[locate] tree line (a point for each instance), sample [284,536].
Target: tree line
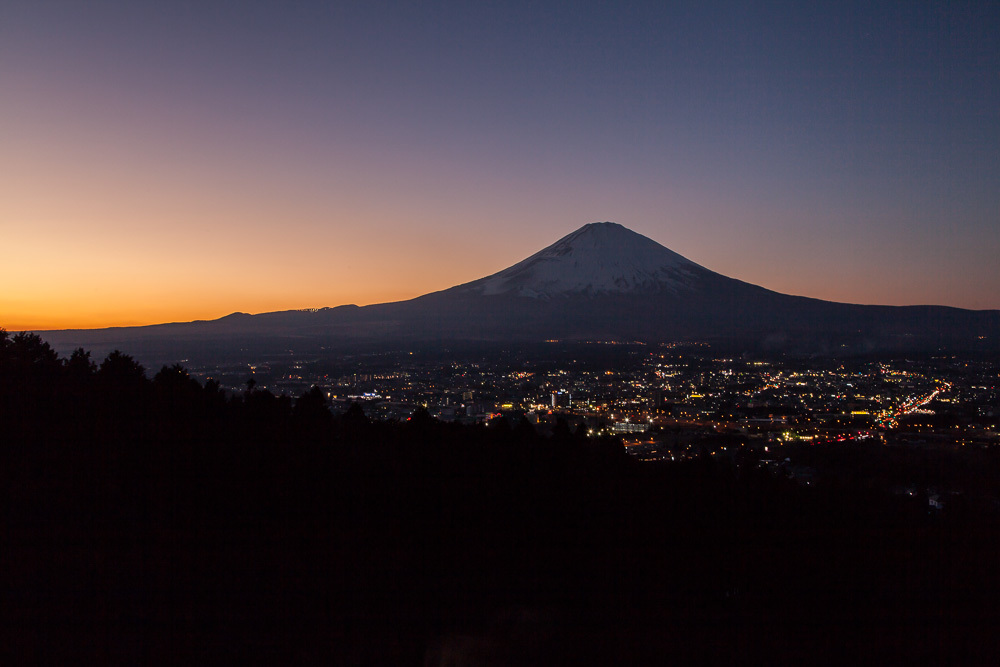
[159,520]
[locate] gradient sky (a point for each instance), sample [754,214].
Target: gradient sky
[170,161]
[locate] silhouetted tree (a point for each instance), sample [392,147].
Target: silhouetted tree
[175,377]
[215,398]
[561,432]
[30,350]
[311,407]
[27,361]
[355,414]
[30,371]
[80,372]
[179,396]
[80,366]
[122,381]
[421,417]
[263,405]
[119,371]
[422,528]
[500,427]
[524,430]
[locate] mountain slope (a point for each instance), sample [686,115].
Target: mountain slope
[599,258]
[602,281]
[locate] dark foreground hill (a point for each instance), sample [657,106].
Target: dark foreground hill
[160,522]
[602,282]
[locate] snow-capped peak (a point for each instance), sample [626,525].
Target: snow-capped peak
[598,258]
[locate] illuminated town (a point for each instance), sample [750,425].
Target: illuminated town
[671,401]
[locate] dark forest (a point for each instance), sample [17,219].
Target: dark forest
[162,521]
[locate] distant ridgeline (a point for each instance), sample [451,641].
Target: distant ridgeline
[601,282]
[160,521]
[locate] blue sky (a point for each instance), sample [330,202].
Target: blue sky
[364,152]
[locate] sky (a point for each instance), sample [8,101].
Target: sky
[177,161]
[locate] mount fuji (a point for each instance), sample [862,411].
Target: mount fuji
[599,258]
[601,282]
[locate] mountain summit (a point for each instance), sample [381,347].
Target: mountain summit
[598,258]
[601,282]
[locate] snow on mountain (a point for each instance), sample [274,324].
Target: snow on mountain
[598,258]
[602,282]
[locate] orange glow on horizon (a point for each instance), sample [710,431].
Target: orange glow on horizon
[60,314]
[154,172]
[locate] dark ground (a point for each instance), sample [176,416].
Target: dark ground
[158,522]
